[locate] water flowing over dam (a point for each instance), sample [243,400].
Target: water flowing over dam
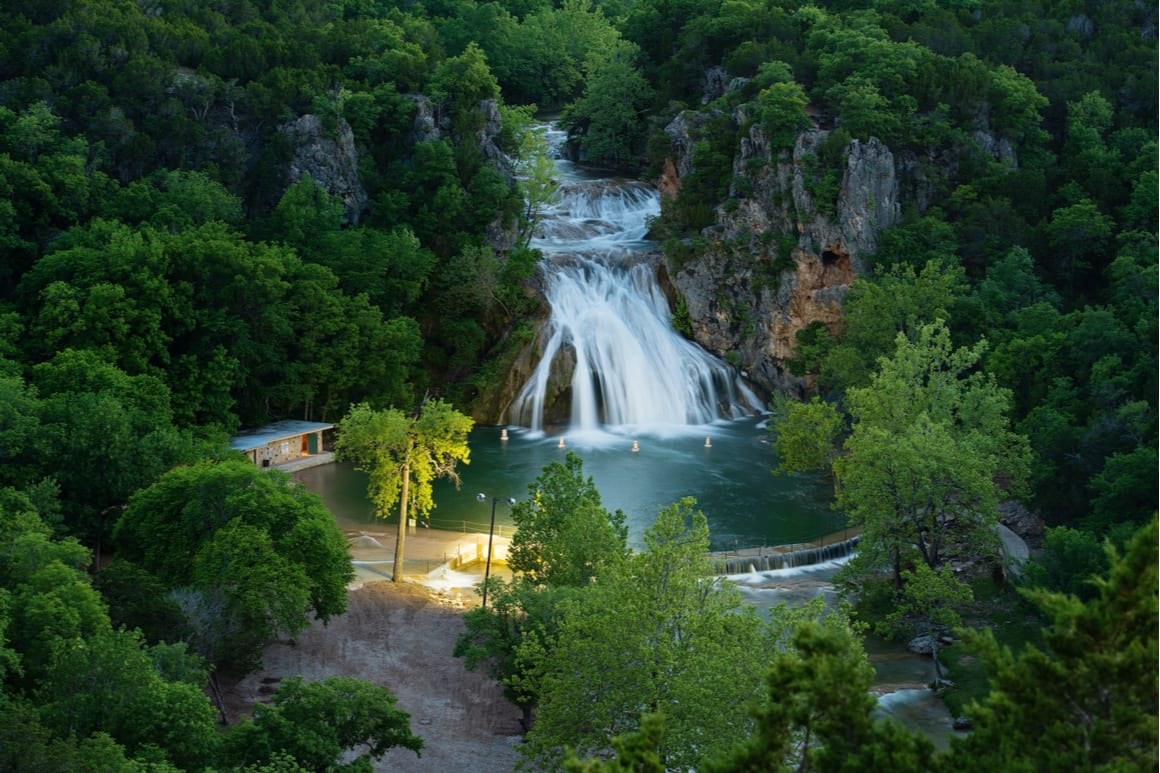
[609,347]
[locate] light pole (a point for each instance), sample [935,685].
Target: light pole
[490,536]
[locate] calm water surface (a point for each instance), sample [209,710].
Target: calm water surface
[745,504]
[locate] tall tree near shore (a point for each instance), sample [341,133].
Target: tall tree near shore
[404,454]
[930,440]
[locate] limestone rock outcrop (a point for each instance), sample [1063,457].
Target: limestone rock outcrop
[329,158]
[787,244]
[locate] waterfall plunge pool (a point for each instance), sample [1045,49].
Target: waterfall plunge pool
[745,504]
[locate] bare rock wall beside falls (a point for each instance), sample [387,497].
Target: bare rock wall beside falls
[786,245]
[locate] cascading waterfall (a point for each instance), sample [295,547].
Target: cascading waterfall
[610,317]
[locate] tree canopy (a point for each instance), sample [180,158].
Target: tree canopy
[403,456]
[296,562]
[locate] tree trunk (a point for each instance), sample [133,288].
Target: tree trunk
[397,572]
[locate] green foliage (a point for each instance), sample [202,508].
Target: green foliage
[929,441]
[103,434]
[636,750]
[521,622]
[806,434]
[608,118]
[821,712]
[1089,696]
[462,82]
[108,683]
[876,310]
[403,456]
[783,113]
[680,318]
[1069,563]
[85,679]
[564,537]
[707,185]
[680,644]
[321,725]
[296,559]
[137,601]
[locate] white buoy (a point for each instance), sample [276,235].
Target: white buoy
[635,447]
[707,443]
[561,441]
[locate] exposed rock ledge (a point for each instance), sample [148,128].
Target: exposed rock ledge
[743,296]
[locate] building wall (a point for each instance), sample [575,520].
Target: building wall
[286,450]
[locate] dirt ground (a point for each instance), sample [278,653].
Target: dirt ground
[401,636]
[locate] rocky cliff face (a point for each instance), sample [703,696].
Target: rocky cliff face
[787,245]
[330,158]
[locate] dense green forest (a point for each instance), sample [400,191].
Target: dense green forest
[218,214]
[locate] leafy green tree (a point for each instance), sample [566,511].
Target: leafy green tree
[679,644]
[1124,490]
[107,682]
[806,435]
[1088,698]
[931,600]
[564,536]
[1069,562]
[608,118]
[929,441]
[564,541]
[897,300]
[264,554]
[403,455]
[462,82]
[521,621]
[392,268]
[19,429]
[138,600]
[783,112]
[337,723]
[637,751]
[536,169]
[31,746]
[86,680]
[1079,236]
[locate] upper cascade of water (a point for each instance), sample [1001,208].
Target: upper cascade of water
[611,319]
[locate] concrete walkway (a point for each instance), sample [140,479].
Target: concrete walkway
[432,557]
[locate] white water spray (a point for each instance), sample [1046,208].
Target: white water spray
[632,369]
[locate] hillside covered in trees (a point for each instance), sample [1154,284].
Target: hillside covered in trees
[218,214]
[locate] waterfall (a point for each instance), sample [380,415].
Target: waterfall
[610,322]
[784,559]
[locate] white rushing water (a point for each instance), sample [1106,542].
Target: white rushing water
[632,369]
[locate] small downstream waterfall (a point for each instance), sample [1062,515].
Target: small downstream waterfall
[609,346]
[784,559]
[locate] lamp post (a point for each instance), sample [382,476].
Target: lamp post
[490,536]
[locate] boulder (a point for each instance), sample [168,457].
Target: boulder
[922,645]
